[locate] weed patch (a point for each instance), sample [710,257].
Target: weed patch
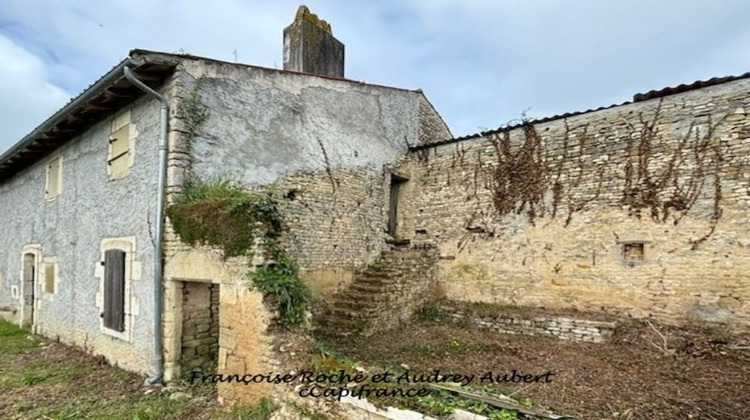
[221,213]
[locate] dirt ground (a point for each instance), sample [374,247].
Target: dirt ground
[703,374]
[699,374]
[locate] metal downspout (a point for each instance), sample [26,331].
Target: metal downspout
[158,246]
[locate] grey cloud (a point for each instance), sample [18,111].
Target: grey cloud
[480,62]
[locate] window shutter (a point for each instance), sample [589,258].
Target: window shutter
[49,278]
[114,290]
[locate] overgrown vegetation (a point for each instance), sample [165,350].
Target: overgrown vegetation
[221,213]
[280,284]
[47,380]
[442,403]
[663,179]
[438,403]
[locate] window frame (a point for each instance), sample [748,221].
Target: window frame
[132,273]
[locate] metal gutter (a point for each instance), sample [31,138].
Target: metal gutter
[160,198]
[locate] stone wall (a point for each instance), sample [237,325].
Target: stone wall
[328,145]
[640,208]
[432,128]
[557,327]
[200,324]
[244,341]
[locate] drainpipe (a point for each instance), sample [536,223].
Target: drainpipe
[160,198]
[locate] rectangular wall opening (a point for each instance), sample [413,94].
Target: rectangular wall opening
[397,183]
[200,327]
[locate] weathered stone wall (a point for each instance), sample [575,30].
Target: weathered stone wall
[432,128]
[327,146]
[336,223]
[557,327]
[245,343]
[543,214]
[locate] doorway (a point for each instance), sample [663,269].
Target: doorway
[397,184]
[29,290]
[200,326]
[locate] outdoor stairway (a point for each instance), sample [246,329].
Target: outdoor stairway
[380,296]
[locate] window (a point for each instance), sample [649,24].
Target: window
[633,251]
[116,271]
[120,156]
[114,290]
[50,277]
[53,185]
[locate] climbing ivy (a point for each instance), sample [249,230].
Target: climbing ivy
[192,111]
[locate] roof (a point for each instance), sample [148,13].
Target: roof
[101,98]
[638,97]
[111,92]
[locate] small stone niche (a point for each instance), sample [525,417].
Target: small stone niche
[633,252]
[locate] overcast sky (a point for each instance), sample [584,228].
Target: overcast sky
[482,63]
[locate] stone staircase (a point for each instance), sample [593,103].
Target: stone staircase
[381,295]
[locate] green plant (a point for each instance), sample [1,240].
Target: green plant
[306,413]
[432,313]
[443,402]
[192,111]
[503,415]
[260,411]
[280,284]
[221,213]
[14,340]
[29,380]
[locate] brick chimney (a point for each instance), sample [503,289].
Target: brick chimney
[309,46]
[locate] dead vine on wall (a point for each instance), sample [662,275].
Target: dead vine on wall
[674,189]
[662,179]
[519,179]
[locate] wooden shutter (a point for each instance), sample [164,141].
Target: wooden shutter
[49,278]
[53,178]
[114,289]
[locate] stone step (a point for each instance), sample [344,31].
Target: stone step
[411,254]
[376,281]
[355,306]
[383,271]
[364,298]
[339,310]
[338,327]
[369,287]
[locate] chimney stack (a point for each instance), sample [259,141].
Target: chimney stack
[309,46]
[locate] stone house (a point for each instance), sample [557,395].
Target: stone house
[86,258]
[637,209]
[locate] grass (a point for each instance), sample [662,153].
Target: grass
[43,379]
[14,340]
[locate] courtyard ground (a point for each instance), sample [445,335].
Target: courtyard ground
[700,373]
